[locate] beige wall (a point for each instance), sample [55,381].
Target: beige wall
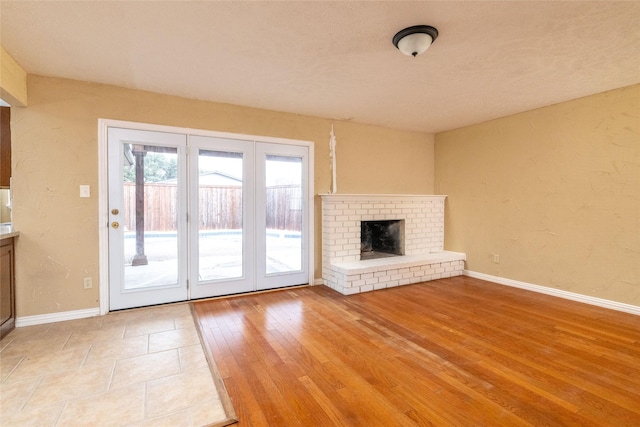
[555,192]
[55,150]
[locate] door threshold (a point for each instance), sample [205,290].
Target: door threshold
[244,294]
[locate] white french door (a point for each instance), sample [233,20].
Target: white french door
[193,216]
[222,227]
[254,241]
[282,229]
[147,217]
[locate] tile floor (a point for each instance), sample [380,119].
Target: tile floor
[133,368]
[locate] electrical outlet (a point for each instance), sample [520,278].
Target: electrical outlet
[88,283]
[496,258]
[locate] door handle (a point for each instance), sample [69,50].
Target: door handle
[115,224]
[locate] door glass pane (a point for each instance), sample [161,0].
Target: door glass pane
[150,216]
[219,215]
[283,214]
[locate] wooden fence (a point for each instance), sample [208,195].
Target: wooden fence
[220,207]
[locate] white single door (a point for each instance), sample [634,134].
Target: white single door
[147,218]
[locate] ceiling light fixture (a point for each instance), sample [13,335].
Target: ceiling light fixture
[414,40]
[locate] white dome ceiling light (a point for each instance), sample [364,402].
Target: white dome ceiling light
[413,41]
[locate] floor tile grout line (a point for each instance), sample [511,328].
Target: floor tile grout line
[113,372]
[180,364]
[144,401]
[38,383]
[64,400]
[86,356]
[22,358]
[9,341]
[64,405]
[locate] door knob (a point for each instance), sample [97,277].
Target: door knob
[115,224]
[115,211]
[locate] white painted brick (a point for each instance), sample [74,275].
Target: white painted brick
[366,288]
[366,275]
[372,281]
[350,291]
[379,286]
[359,282]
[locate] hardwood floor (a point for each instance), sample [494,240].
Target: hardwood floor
[452,352]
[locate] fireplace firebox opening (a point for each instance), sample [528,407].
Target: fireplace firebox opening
[379,239]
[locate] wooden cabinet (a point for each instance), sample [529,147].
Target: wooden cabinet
[5,147]
[7,287]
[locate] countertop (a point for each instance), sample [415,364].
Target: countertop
[7,231]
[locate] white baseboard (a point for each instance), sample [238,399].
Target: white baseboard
[40,319]
[600,302]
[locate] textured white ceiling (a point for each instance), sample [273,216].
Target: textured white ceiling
[336,59]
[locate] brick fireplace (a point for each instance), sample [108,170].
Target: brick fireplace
[424,257]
